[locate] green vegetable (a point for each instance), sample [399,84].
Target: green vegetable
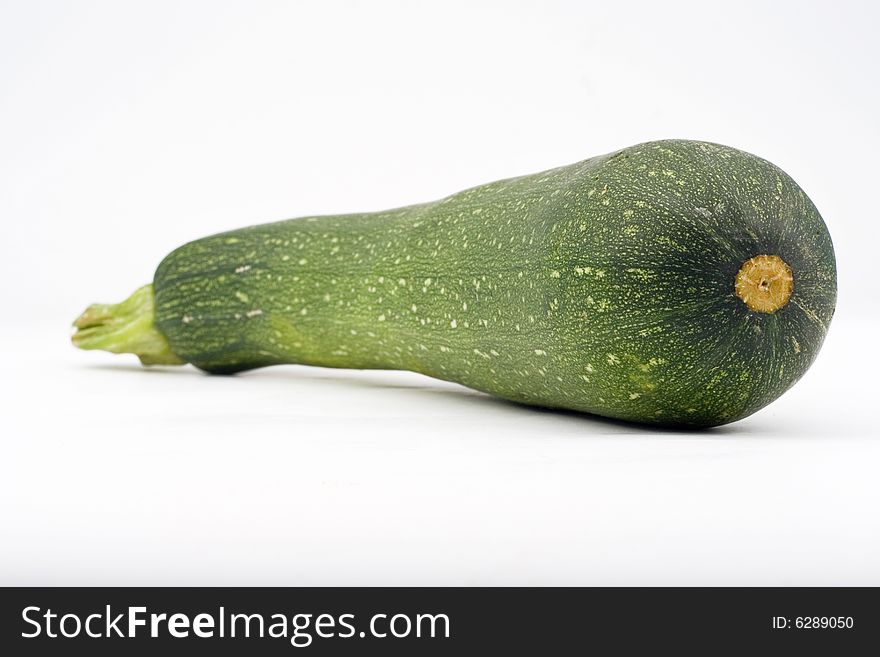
[673,282]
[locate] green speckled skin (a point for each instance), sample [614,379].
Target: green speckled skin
[606,286]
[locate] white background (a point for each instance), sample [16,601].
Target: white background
[128,128]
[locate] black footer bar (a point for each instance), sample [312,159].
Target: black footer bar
[434,621]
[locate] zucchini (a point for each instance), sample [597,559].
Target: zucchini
[674,282]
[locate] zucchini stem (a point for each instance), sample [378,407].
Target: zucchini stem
[126,328]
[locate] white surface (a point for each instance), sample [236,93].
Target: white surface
[296,475]
[128,128]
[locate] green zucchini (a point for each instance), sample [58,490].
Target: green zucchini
[673,282]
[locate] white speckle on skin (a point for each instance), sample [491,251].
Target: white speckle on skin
[453,324]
